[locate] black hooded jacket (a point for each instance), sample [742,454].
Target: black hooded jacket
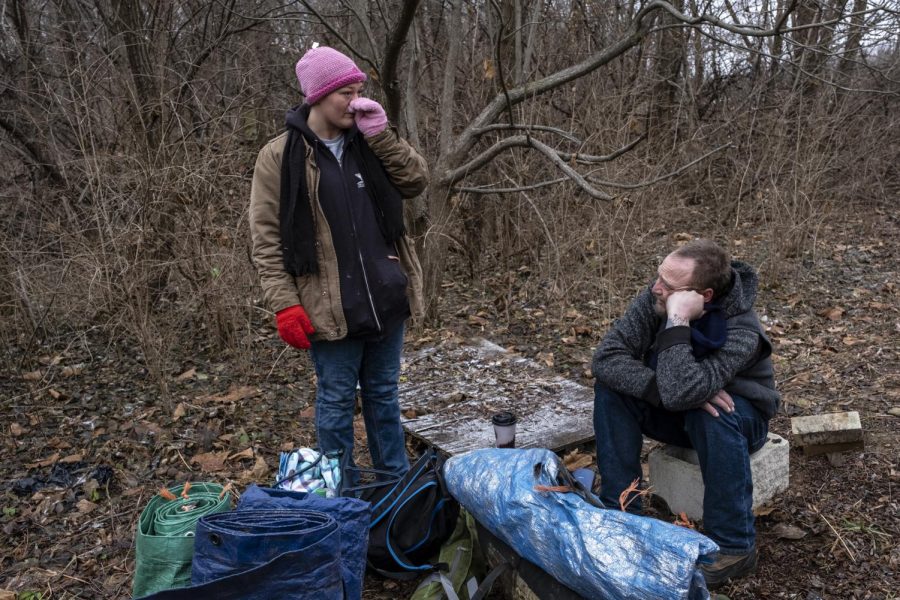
[373,284]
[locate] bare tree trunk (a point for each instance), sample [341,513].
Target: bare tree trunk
[536,7]
[129,23]
[435,242]
[851,48]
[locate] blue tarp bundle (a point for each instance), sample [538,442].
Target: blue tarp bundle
[264,554]
[599,553]
[353,517]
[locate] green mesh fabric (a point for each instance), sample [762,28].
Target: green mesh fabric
[164,543]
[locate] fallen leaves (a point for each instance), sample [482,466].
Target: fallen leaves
[246,453]
[85,506]
[832,314]
[211,461]
[786,531]
[577,460]
[234,394]
[50,460]
[189,374]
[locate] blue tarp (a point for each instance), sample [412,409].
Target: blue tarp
[264,554]
[599,553]
[353,517]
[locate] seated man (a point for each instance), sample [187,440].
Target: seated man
[688,364]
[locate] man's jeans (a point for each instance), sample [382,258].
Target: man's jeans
[375,366]
[723,446]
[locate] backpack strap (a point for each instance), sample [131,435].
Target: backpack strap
[488,582]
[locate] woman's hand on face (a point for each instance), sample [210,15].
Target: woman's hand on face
[369,115]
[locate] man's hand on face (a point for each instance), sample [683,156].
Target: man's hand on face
[684,306]
[722,400]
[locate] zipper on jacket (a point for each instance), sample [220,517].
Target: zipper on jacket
[362,263]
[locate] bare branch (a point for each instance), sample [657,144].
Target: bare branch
[676,172]
[482,159]
[748,30]
[469,136]
[512,190]
[519,126]
[525,141]
[363,23]
[568,170]
[333,31]
[589,159]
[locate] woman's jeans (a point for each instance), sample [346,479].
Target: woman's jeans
[723,446]
[375,366]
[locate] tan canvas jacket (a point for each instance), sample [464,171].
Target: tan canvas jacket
[320,294]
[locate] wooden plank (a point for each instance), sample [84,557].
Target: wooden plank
[448,394]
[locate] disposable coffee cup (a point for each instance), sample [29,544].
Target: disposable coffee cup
[504,429]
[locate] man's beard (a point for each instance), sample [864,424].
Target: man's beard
[659,306]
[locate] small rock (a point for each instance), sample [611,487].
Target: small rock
[894,412]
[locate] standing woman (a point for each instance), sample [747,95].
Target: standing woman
[330,245]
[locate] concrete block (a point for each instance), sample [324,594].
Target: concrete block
[829,449]
[833,432]
[675,475]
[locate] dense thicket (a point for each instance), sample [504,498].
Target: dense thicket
[560,133]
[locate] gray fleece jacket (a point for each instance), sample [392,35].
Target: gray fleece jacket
[681,382]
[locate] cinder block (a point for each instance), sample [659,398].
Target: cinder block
[675,475]
[832,432]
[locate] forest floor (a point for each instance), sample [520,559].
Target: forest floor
[88,439]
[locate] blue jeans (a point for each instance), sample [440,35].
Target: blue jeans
[375,366]
[723,446]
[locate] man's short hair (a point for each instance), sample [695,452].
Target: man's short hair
[712,265]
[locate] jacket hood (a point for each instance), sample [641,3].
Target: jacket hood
[742,295]
[296,118]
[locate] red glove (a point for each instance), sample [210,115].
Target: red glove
[294,326]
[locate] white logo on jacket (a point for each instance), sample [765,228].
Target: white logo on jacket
[360,184]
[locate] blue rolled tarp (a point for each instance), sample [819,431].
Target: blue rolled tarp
[599,553]
[264,554]
[352,515]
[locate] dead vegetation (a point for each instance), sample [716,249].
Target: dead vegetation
[135,352]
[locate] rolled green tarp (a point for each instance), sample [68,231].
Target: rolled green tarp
[164,544]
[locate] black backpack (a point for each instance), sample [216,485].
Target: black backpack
[412,516]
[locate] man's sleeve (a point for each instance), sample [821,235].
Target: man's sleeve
[685,382]
[618,361]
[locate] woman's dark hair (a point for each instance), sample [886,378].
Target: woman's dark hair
[712,265]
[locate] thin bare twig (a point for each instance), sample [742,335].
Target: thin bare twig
[522,126]
[815,509]
[676,172]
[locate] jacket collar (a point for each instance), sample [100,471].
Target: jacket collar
[297,118]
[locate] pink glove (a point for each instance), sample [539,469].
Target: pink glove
[369,115]
[294,326]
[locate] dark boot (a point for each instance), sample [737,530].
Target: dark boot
[729,566]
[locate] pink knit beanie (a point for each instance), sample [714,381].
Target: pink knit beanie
[322,70]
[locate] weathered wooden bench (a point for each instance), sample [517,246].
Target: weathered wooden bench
[448,394]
